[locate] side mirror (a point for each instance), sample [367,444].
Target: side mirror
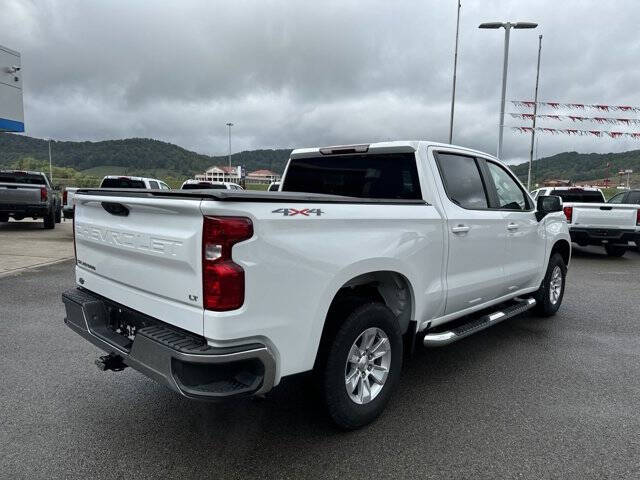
[546,205]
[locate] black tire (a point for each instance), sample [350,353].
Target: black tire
[545,307]
[615,251]
[344,411]
[49,220]
[59,215]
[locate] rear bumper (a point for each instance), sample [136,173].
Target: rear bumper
[182,361]
[67,212]
[26,210]
[604,236]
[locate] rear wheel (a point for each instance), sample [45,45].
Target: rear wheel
[59,215]
[615,251]
[49,220]
[361,366]
[551,292]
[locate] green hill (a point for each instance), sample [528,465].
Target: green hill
[580,166]
[141,156]
[148,157]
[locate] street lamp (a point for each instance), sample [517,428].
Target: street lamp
[507,28]
[229,125]
[50,167]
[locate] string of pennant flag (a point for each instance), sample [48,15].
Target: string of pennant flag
[576,106]
[581,133]
[577,118]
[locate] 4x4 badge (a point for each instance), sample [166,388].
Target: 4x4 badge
[290,212]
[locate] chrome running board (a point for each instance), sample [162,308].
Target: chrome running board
[439,339]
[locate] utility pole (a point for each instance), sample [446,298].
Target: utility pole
[505,63]
[229,124]
[455,68]
[535,111]
[50,168]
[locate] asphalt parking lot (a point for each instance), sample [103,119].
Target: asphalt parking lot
[529,398]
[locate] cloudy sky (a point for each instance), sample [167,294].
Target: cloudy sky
[302,73]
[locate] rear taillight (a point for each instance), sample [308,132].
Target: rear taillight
[222,279]
[568,212]
[64,197]
[43,194]
[638,217]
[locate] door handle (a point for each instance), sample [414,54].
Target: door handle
[460,229]
[512,226]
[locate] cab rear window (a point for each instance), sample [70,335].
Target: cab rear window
[122,183]
[379,176]
[17,177]
[579,196]
[203,185]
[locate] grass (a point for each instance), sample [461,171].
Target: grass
[257,186]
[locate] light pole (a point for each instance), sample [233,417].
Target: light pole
[507,29]
[535,112]
[229,125]
[628,172]
[50,168]
[455,67]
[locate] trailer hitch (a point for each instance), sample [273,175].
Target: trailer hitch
[111,362]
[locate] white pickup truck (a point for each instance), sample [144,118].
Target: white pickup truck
[365,251]
[592,221]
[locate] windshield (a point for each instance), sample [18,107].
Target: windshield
[579,196]
[122,183]
[20,177]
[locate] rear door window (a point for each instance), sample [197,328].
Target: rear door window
[379,176]
[153,185]
[462,181]
[577,195]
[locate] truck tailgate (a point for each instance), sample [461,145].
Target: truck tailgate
[604,215]
[144,253]
[21,194]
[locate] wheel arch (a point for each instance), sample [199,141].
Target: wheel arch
[563,247]
[389,287]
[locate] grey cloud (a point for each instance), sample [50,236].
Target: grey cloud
[298,73]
